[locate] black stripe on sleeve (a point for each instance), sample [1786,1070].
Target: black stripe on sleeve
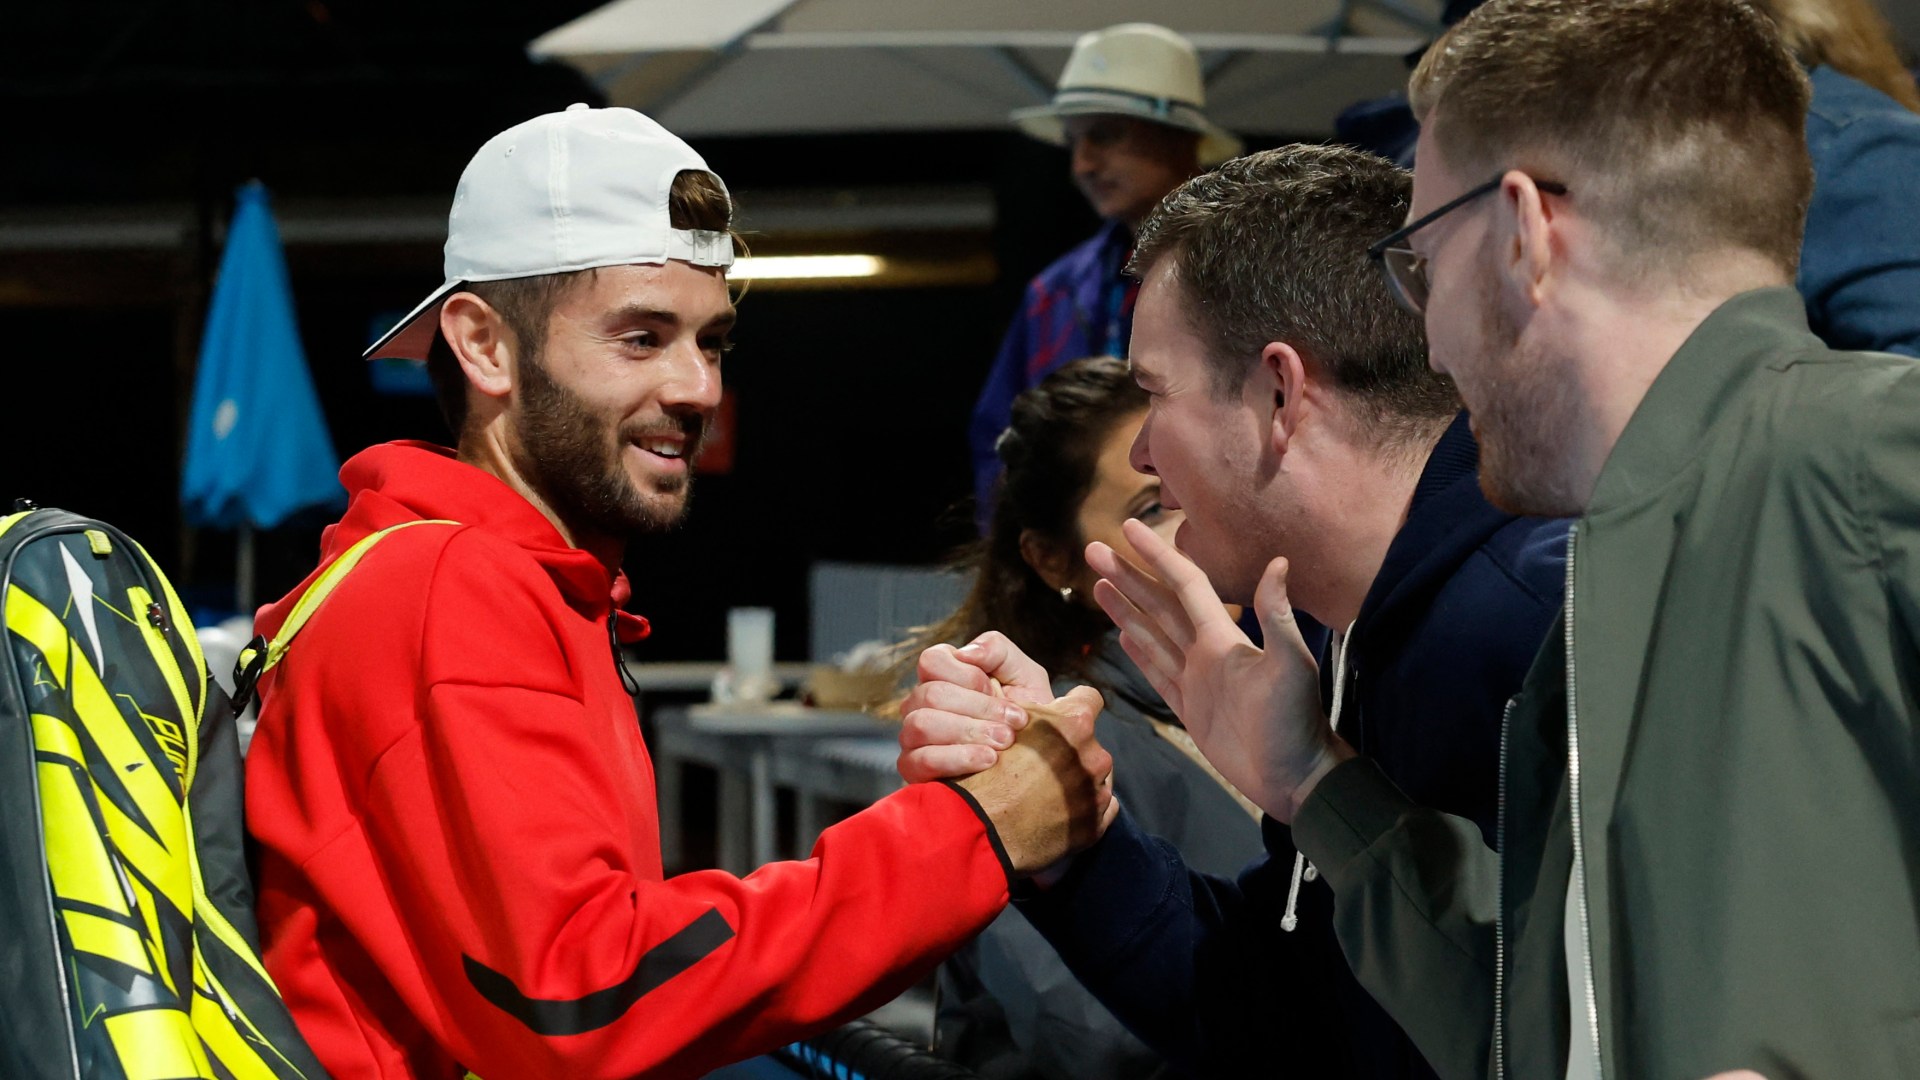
[575,1016]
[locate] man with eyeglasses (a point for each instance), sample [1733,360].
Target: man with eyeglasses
[1291,413]
[1710,781]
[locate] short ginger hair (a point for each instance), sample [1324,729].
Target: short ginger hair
[1678,126]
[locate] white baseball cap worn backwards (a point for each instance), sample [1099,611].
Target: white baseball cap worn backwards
[565,191]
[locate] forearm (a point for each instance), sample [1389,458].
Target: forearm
[560,959]
[1415,894]
[1196,967]
[1060,1029]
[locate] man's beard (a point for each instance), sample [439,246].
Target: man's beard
[574,460]
[1524,421]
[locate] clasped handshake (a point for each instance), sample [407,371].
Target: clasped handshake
[986,716]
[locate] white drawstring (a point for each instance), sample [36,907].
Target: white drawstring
[1290,920]
[1302,869]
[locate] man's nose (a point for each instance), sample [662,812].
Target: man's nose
[1086,158]
[694,380]
[1138,455]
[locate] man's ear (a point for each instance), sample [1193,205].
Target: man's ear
[1280,384]
[1526,229]
[481,342]
[1049,560]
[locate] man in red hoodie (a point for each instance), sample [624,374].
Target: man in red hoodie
[459,861]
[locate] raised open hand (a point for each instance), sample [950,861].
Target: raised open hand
[1254,712]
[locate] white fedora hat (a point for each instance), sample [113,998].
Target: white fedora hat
[1138,70]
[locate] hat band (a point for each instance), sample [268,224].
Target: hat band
[1165,108]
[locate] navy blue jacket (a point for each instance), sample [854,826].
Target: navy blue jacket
[1198,966]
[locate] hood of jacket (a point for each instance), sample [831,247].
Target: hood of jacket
[398,482]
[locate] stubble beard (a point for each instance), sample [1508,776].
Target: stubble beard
[1230,539]
[574,460]
[1526,411]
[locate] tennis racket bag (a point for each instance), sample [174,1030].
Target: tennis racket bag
[129,950]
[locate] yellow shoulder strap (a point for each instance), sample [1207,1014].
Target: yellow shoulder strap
[261,655]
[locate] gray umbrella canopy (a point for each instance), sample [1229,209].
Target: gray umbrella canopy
[766,67]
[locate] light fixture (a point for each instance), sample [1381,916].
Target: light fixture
[772,267]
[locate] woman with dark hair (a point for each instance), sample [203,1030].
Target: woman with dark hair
[1009,1006]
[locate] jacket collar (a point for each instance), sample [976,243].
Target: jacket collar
[1747,334]
[1115,242]
[1097,262]
[411,481]
[1447,520]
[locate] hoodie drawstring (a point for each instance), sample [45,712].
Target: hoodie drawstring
[627,681]
[1302,869]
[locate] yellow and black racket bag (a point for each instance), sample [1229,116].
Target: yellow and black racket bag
[129,950]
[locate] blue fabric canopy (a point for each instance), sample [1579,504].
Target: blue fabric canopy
[258,451]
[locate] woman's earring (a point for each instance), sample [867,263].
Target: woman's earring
[1066,593]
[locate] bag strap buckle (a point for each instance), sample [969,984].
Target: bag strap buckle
[246,673]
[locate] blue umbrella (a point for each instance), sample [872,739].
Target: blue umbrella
[258,451]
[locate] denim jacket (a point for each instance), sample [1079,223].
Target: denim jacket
[1860,261]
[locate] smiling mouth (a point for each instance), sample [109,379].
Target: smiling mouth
[672,449]
[672,442]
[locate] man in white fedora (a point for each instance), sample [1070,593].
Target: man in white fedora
[1128,110]
[452,805]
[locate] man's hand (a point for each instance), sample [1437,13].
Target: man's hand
[1254,712]
[967,707]
[1050,794]
[986,712]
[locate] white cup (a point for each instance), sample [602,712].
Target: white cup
[750,653]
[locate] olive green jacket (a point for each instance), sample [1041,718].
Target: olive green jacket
[1735,673]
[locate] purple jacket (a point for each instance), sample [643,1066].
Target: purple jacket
[1079,306]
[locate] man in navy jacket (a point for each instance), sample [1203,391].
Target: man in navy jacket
[1292,414]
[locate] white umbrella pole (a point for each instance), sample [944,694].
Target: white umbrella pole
[243,571]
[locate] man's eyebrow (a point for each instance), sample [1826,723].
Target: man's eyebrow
[635,313]
[632,313]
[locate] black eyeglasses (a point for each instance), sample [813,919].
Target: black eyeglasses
[1406,269]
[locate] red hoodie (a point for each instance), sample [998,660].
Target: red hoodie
[459,853]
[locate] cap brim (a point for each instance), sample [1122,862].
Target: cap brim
[1047,124]
[412,336]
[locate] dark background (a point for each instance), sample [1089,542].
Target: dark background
[852,404]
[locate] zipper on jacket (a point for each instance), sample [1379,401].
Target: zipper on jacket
[627,681]
[1579,879]
[1500,906]
[1302,869]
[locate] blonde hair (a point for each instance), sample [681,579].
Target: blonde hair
[1849,36]
[1679,126]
